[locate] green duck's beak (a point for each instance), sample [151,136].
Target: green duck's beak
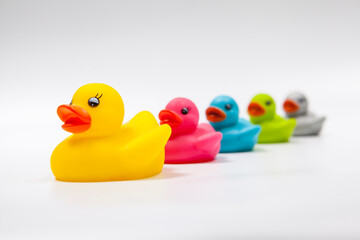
[255,109]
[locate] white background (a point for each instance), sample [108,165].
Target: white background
[151,52]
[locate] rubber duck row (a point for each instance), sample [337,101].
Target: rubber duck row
[101,148]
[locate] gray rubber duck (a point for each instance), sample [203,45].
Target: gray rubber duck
[296,106]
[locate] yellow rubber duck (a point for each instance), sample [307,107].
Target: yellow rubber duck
[101,148]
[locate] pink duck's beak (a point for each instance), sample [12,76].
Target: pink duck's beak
[170,118]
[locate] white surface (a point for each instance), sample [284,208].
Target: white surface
[302,190]
[152,51]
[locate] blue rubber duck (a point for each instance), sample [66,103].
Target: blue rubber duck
[239,135]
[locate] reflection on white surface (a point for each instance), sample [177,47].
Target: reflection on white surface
[303,189]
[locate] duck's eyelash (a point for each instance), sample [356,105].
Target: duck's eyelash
[99,96]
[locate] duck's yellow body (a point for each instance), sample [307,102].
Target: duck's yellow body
[107,150]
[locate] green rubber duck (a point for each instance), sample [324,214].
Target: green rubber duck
[274,129]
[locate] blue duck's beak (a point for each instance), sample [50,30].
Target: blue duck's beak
[215,114]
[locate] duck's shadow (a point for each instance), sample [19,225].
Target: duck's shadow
[258,150]
[166,173]
[169,170]
[220,159]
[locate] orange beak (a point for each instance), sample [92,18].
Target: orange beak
[214,114]
[170,118]
[255,109]
[75,118]
[290,106]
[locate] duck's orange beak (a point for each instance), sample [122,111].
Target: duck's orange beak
[290,106]
[170,118]
[214,114]
[75,118]
[255,109]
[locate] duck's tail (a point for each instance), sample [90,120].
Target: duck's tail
[148,146]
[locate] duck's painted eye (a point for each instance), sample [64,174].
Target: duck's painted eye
[301,100]
[184,111]
[268,103]
[93,102]
[228,106]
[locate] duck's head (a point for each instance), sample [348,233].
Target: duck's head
[261,108]
[95,110]
[223,112]
[295,105]
[181,114]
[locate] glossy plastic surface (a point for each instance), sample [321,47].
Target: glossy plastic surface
[101,148]
[307,123]
[274,129]
[190,142]
[239,135]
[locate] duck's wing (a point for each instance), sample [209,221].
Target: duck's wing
[204,128]
[149,145]
[142,122]
[308,125]
[208,141]
[282,123]
[280,127]
[319,120]
[309,121]
[250,131]
[291,123]
[289,128]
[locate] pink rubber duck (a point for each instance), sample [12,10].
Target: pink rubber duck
[190,142]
